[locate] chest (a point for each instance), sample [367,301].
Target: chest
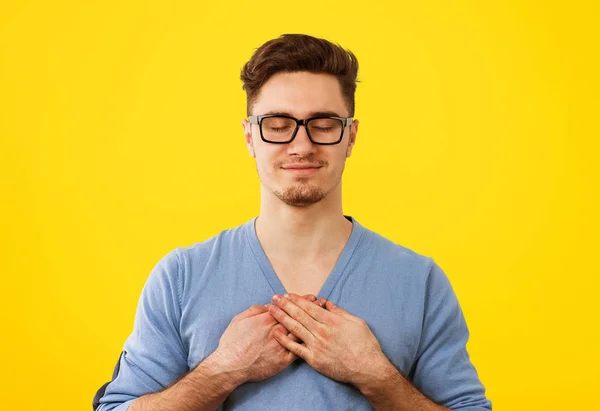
[393,320]
[303,278]
[219,289]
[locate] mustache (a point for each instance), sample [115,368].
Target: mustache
[308,160]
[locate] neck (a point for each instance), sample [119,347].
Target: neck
[302,232]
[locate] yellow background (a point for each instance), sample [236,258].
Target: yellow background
[478,145]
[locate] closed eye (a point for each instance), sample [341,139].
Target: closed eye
[279,129]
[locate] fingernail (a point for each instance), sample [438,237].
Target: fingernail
[276,298]
[286,296]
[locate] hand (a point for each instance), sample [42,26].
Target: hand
[248,347]
[335,343]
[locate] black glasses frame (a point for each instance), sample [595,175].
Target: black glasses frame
[346,121]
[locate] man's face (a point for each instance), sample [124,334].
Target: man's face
[301,95]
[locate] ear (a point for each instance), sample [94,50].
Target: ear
[248,137]
[352,139]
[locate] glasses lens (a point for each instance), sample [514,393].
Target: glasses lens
[325,130]
[278,128]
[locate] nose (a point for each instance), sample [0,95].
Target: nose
[301,144]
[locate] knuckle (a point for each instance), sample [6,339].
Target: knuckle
[323,332]
[313,311]
[310,297]
[295,350]
[310,309]
[296,329]
[277,313]
[273,333]
[266,320]
[282,361]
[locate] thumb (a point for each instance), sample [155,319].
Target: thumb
[334,308]
[252,311]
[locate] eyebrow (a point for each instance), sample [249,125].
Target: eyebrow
[311,114]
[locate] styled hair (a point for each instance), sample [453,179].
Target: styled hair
[300,52]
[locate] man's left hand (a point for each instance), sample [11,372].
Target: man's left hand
[334,342]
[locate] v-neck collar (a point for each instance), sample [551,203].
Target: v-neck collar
[334,276]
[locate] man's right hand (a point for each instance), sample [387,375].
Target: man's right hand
[247,351]
[248,347]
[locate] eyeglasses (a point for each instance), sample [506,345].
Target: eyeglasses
[279,129]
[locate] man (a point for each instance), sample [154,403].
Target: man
[222,325]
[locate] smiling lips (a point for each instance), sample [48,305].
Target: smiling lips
[302,168]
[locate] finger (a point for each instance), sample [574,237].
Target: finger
[297,309]
[252,311]
[335,309]
[314,302]
[294,338]
[310,297]
[321,302]
[278,328]
[269,305]
[281,330]
[295,348]
[266,319]
[313,310]
[292,325]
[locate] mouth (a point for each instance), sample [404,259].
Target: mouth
[302,168]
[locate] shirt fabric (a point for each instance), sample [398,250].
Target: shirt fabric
[193,292]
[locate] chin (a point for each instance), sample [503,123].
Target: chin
[300,195]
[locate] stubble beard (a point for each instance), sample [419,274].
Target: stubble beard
[301,194]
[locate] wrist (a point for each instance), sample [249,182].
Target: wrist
[218,367]
[377,377]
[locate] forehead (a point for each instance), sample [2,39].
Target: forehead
[300,94]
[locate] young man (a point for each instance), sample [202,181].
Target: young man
[221,324]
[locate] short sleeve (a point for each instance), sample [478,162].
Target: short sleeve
[153,355]
[442,369]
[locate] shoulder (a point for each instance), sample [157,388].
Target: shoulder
[227,238]
[388,252]
[414,271]
[194,259]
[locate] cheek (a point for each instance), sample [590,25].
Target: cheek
[338,160]
[265,161]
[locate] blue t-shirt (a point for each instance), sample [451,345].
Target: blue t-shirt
[193,292]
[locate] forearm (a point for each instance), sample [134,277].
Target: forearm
[202,389]
[387,389]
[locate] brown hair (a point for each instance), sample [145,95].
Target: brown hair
[300,52]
